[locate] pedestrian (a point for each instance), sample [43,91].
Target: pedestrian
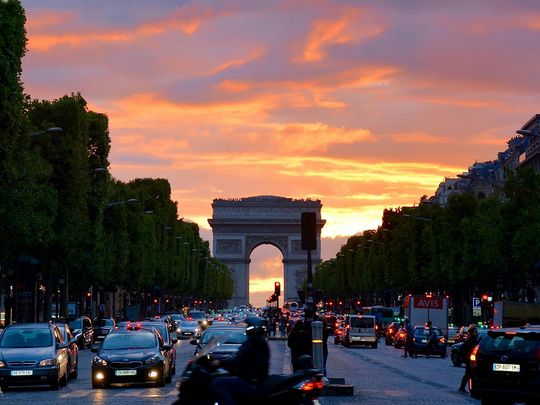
[465,353]
[300,339]
[409,340]
[283,325]
[430,337]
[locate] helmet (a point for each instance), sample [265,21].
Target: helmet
[255,325]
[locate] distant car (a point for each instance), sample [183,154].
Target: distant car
[221,321]
[102,326]
[391,330]
[455,350]
[461,334]
[126,356]
[200,317]
[83,330]
[33,354]
[187,329]
[231,338]
[420,342]
[73,349]
[505,366]
[360,329]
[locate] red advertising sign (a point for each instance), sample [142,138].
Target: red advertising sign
[428,302]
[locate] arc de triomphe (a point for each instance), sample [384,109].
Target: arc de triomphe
[240,225]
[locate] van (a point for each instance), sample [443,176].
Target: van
[360,330]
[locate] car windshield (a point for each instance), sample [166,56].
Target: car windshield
[197,315]
[135,340]
[226,336]
[188,323]
[362,322]
[13,338]
[103,322]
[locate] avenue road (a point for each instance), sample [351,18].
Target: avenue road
[379,376]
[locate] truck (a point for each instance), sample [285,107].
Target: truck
[422,308]
[507,314]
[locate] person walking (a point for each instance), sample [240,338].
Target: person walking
[283,325]
[409,340]
[465,352]
[430,337]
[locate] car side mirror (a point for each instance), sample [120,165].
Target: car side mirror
[193,342]
[174,340]
[73,340]
[166,347]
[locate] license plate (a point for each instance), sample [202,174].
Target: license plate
[125,372]
[514,368]
[22,372]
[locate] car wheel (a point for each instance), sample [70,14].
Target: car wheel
[336,341]
[456,361]
[374,345]
[168,379]
[96,384]
[75,373]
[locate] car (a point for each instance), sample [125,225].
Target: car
[168,339]
[455,350]
[360,329]
[131,356]
[33,354]
[83,330]
[506,367]
[231,338]
[221,321]
[102,326]
[200,317]
[391,331]
[187,329]
[339,331]
[420,341]
[73,350]
[461,334]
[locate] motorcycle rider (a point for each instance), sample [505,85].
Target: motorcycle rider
[249,366]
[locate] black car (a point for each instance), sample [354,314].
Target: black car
[231,338]
[163,330]
[102,326]
[506,367]
[131,356]
[73,349]
[455,350]
[420,341]
[33,354]
[83,330]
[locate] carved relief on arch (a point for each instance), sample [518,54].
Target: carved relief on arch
[279,241]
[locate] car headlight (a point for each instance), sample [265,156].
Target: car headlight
[47,362]
[98,361]
[153,360]
[179,330]
[2,364]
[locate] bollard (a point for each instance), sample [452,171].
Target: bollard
[317,342]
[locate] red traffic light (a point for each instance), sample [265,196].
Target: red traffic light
[277,288]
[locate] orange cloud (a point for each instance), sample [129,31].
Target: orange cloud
[307,137]
[419,137]
[347,28]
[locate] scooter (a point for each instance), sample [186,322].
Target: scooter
[299,388]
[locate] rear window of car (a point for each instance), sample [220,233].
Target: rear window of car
[425,332]
[225,336]
[13,338]
[512,343]
[362,322]
[135,340]
[188,323]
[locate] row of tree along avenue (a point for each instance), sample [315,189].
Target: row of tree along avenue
[472,247]
[74,239]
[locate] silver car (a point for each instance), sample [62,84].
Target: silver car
[187,329]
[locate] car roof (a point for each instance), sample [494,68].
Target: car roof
[40,325]
[128,331]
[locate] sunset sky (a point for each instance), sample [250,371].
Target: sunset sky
[361,104]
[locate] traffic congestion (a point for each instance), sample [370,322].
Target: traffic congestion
[160,358]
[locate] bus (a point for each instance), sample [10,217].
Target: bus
[383,314]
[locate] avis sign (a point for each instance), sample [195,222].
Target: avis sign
[428,302]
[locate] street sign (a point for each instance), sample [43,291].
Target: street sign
[476,308]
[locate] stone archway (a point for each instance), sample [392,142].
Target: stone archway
[240,225]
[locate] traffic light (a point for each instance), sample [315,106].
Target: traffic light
[277,288]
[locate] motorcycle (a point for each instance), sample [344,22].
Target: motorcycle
[299,388]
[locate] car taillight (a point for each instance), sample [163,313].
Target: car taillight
[311,385]
[442,340]
[473,355]
[390,330]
